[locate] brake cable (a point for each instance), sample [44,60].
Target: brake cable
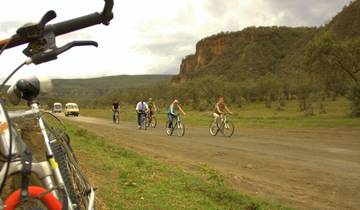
[12,74]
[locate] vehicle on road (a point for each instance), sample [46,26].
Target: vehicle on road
[222,124]
[71,109]
[57,108]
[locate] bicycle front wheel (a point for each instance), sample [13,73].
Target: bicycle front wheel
[180,129]
[77,184]
[153,122]
[227,129]
[213,128]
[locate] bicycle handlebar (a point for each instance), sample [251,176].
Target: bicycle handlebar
[68,26]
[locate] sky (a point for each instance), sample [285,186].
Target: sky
[148,37]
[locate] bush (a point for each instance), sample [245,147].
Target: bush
[355,99]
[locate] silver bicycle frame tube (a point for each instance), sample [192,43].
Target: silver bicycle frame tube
[42,170]
[50,154]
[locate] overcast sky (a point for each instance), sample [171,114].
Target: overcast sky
[149,36]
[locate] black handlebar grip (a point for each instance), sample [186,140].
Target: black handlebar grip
[76,24]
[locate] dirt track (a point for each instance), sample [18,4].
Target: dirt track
[302,168]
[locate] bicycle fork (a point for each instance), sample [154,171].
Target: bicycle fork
[50,156]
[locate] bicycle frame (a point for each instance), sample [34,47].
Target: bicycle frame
[41,169]
[53,164]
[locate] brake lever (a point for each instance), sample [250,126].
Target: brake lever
[36,30]
[107,14]
[75,44]
[51,54]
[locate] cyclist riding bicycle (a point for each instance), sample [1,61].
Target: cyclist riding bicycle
[141,109]
[173,112]
[115,109]
[220,109]
[152,107]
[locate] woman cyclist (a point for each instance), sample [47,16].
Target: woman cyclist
[220,109]
[172,112]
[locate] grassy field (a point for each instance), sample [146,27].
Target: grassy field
[256,115]
[128,180]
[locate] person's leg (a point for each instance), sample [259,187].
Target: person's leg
[113,115]
[139,119]
[170,119]
[216,119]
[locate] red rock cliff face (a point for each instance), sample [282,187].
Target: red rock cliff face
[214,46]
[206,50]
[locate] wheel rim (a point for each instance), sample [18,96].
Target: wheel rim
[213,129]
[153,122]
[180,129]
[227,129]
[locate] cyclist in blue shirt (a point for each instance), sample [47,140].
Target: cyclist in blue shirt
[172,112]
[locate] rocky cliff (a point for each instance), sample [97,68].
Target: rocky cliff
[254,51]
[243,46]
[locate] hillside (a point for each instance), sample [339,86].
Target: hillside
[95,87]
[256,51]
[243,55]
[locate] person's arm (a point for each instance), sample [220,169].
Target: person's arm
[137,108]
[181,110]
[227,109]
[172,109]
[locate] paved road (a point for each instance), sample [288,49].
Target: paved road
[303,168]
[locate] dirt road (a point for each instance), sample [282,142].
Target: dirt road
[302,168]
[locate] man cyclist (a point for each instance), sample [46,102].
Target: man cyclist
[115,109]
[152,107]
[172,113]
[141,109]
[220,109]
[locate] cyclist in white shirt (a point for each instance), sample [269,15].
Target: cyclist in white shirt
[141,109]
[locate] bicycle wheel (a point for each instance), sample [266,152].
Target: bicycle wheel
[117,119]
[144,122]
[213,128]
[39,198]
[227,128]
[180,129]
[77,184]
[153,122]
[61,158]
[147,121]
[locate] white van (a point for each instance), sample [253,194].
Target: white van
[71,109]
[57,108]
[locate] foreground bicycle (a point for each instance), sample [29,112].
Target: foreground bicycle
[222,124]
[177,126]
[64,185]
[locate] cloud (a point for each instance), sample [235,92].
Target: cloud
[170,44]
[305,12]
[152,36]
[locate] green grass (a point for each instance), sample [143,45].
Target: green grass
[128,180]
[256,115]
